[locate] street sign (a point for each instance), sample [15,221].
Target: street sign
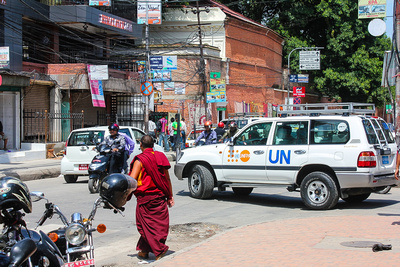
[293,78]
[302,78]
[310,60]
[158,103]
[156,62]
[299,91]
[146,88]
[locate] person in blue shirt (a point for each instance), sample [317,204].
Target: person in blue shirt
[208,134]
[129,147]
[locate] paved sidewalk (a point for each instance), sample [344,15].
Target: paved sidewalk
[40,169]
[318,241]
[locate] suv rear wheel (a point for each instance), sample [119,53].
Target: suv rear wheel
[319,191]
[70,178]
[201,182]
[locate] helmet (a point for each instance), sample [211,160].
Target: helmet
[233,124]
[207,123]
[113,126]
[221,124]
[116,188]
[14,194]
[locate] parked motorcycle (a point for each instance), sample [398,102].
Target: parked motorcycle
[99,167]
[75,238]
[15,197]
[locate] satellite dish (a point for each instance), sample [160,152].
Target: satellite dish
[376,27]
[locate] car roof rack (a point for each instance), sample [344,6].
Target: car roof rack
[245,115]
[344,109]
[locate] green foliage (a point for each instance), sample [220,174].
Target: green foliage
[352,59]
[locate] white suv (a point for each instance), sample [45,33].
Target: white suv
[322,156]
[79,149]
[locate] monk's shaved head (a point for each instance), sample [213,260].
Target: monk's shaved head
[147,141]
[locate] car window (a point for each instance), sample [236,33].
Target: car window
[330,132]
[256,134]
[126,131]
[370,125]
[291,133]
[89,138]
[137,134]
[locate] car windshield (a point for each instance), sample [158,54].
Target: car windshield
[125,131]
[89,138]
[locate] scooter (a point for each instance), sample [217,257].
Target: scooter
[75,237]
[99,167]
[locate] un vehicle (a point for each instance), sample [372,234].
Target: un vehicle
[324,151]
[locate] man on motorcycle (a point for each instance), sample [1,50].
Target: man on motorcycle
[117,144]
[220,130]
[208,134]
[231,132]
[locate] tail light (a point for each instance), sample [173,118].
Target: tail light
[366,159]
[65,150]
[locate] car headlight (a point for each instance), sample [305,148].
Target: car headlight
[75,233]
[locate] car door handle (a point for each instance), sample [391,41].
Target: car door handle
[84,148]
[299,152]
[258,152]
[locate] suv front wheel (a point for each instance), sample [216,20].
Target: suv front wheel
[201,182]
[319,191]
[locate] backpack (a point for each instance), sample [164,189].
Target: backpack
[158,126]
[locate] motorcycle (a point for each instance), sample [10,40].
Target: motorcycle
[18,253]
[42,252]
[75,238]
[202,141]
[99,167]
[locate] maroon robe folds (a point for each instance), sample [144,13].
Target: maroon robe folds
[152,217]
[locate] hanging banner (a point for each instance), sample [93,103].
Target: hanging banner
[96,88]
[371,9]
[219,96]
[149,11]
[4,57]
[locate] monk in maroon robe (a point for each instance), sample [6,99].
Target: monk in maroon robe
[154,196]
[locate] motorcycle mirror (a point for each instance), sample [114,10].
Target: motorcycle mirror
[36,196]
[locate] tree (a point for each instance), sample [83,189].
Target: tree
[352,59]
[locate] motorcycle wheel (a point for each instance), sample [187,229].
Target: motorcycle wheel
[94,186]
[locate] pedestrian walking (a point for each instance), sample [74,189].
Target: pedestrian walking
[176,135]
[183,133]
[163,134]
[154,196]
[3,137]
[171,133]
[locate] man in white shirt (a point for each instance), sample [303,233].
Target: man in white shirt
[183,133]
[152,129]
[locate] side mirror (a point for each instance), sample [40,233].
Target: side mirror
[36,196]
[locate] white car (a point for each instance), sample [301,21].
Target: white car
[79,149]
[324,157]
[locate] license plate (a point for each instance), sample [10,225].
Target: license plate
[83,167]
[385,160]
[79,263]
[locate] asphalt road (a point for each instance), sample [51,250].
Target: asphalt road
[116,247]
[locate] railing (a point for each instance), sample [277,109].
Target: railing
[41,126]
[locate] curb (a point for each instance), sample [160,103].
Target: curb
[34,173]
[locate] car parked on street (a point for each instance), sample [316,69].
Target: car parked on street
[79,149]
[324,151]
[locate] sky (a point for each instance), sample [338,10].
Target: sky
[389,18]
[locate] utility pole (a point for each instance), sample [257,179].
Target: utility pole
[147,74]
[202,69]
[397,35]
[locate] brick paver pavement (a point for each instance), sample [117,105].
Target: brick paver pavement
[317,241]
